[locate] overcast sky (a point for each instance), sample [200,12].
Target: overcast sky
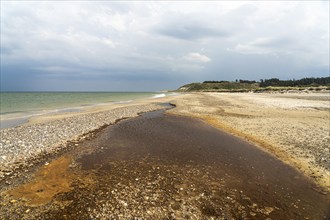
[150,46]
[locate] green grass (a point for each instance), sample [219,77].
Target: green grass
[218,86]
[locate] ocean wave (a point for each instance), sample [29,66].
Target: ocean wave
[159,96]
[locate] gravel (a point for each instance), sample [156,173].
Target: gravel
[22,146]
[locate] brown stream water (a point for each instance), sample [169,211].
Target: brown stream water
[160,166]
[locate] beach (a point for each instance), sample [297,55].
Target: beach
[293,127]
[170,155]
[22,146]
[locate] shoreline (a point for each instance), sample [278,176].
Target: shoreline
[184,168]
[13,119]
[23,146]
[248,116]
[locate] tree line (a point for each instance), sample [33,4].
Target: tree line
[321,81]
[238,81]
[312,81]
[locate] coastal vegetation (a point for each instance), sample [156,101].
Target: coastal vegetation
[264,85]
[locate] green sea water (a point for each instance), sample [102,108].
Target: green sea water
[21,104]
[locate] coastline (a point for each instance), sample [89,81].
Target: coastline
[183,168]
[19,107]
[80,163]
[23,146]
[291,127]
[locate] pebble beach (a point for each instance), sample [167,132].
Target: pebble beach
[293,127]
[23,145]
[172,164]
[160,165]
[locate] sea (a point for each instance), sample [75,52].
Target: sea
[17,107]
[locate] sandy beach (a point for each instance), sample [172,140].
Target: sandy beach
[293,127]
[75,152]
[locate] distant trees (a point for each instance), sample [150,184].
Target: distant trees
[237,81]
[240,85]
[247,81]
[321,81]
[216,81]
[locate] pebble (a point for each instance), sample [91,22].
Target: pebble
[29,142]
[252,214]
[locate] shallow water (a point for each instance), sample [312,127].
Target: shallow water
[163,166]
[22,102]
[17,107]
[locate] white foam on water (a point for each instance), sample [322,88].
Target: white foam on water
[159,96]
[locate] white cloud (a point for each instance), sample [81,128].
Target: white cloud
[197,57]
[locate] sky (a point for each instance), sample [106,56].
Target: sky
[153,46]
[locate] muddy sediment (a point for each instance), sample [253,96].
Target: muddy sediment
[160,166]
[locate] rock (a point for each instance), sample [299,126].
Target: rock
[268,210]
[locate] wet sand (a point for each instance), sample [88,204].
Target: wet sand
[161,166]
[293,127]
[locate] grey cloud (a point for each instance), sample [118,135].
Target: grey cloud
[266,45]
[189,31]
[274,42]
[6,50]
[79,42]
